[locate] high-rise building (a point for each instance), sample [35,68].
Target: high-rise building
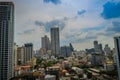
[107,50]
[66,51]
[20,55]
[100,48]
[15,54]
[97,47]
[71,47]
[45,43]
[117,51]
[55,42]
[28,52]
[6,40]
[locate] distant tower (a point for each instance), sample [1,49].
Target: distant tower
[15,54]
[100,48]
[117,50]
[45,43]
[71,47]
[28,52]
[6,40]
[96,47]
[20,52]
[107,50]
[55,42]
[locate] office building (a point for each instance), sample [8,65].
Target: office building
[117,51]
[55,42]
[45,43]
[28,52]
[6,40]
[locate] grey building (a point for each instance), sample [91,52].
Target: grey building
[55,42]
[66,51]
[107,50]
[45,43]
[97,47]
[6,40]
[97,59]
[28,52]
[117,51]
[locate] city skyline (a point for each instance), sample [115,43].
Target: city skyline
[80,22]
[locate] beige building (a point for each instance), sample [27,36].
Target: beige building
[20,55]
[15,54]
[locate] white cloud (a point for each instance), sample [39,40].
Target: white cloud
[29,11]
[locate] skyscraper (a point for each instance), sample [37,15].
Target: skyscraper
[97,47]
[117,50]
[6,40]
[28,52]
[45,43]
[55,42]
[107,50]
[20,55]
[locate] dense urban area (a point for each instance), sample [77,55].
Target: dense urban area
[52,61]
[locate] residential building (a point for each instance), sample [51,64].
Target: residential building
[107,50]
[15,54]
[28,52]
[20,55]
[55,42]
[66,51]
[97,59]
[45,43]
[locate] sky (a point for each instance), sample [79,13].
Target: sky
[80,21]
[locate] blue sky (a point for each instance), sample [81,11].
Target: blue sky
[80,21]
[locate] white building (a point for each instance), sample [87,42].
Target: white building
[50,77]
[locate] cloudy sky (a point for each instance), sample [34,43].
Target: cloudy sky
[80,21]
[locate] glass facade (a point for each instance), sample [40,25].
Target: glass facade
[6,40]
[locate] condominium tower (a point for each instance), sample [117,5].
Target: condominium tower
[45,43]
[28,52]
[97,47]
[6,40]
[55,42]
